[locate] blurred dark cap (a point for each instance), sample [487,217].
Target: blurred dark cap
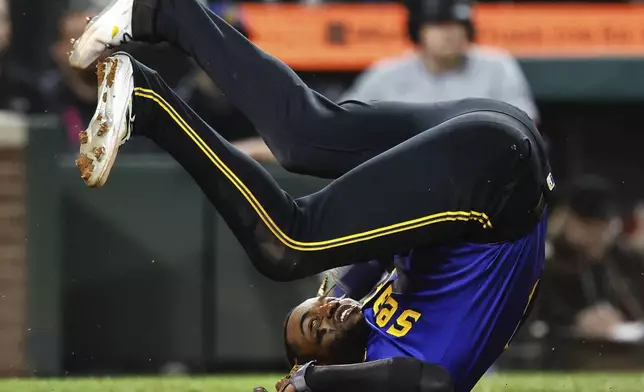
[592,197]
[437,11]
[422,12]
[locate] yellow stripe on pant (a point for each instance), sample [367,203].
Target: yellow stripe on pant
[448,216]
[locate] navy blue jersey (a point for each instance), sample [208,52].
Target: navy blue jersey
[461,309]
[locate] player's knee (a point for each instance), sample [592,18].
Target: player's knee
[274,270]
[273,257]
[291,160]
[297,158]
[276,273]
[435,378]
[278,269]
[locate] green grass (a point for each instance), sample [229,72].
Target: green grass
[496,383]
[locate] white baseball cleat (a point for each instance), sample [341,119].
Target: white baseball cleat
[111,28]
[110,127]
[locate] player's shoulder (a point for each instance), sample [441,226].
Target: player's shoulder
[491,55]
[394,65]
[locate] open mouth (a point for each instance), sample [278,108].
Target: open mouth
[343,312]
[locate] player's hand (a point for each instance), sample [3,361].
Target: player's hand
[282,384]
[288,388]
[597,321]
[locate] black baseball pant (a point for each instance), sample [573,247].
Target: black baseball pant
[406,175]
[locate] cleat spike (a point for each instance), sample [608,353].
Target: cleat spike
[85,165]
[112,74]
[100,72]
[103,129]
[98,152]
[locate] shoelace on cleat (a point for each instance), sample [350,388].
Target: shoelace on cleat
[126,38]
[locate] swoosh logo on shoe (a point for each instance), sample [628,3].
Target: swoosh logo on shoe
[115,31]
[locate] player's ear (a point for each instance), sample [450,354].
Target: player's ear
[328,284]
[324,287]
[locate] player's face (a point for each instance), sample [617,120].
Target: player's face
[444,41]
[591,236]
[331,330]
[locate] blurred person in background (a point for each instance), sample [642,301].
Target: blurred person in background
[17,91]
[447,65]
[634,238]
[630,249]
[584,292]
[69,92]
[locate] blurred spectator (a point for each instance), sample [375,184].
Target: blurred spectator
[584,292]
[17,92]
[72,93]
[201,93]
[69,92]
[635,237]
[631,246]
[447,65]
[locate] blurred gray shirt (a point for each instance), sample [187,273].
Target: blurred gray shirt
[488,73]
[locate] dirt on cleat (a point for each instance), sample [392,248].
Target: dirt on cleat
[85,165]
[112,74]
[100,72]
[109,123]
[103,129]
[98,152]
[82,137]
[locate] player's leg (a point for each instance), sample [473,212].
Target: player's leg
[307,133]
[421,192]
